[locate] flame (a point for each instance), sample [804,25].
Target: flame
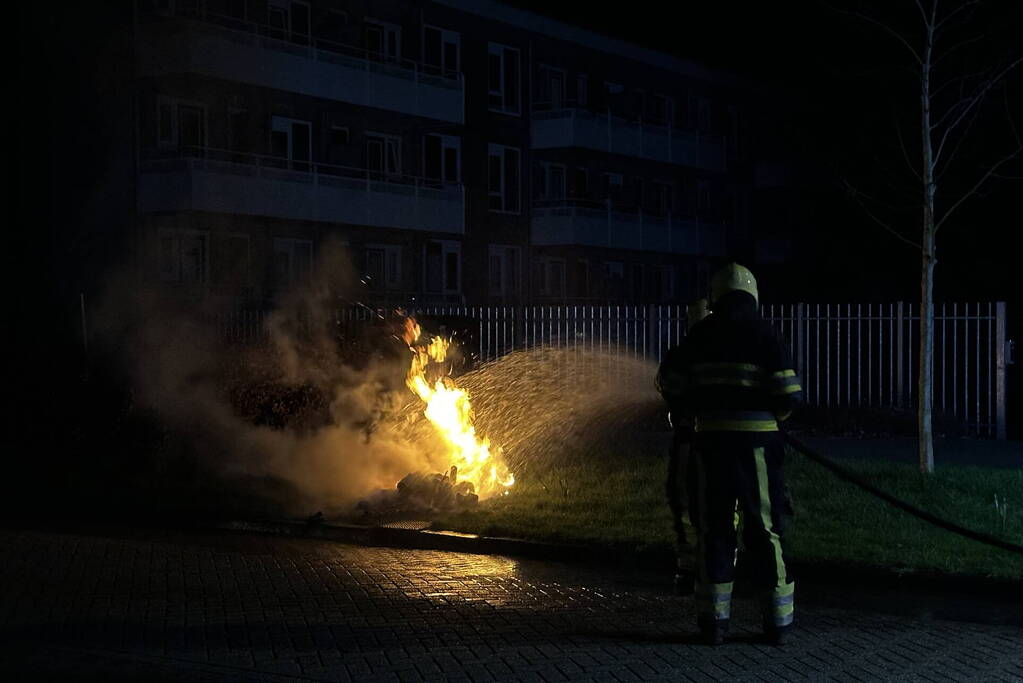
[449,410]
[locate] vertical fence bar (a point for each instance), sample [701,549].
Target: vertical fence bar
[955,359]
[966,362]
[899,389]
[1000,369]
[990,424]
[976,368]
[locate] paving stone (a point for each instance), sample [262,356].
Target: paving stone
[220,607]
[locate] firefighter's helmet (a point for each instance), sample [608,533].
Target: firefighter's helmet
[730,278]
[696,311]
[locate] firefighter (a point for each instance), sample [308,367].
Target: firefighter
[678,457]
[732,377]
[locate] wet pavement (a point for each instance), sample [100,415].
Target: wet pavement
[170,606]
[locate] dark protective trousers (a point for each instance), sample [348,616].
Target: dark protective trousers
[720,478]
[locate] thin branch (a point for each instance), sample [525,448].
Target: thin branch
[905,154]
[895,34]
[961,43]
[973,101]
[923,12]
[856,195]
[956,79]
[963,6]
[959,143]
[969,193]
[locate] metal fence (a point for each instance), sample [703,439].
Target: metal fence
[854,355]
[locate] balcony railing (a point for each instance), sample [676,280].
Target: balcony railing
[576,127]
[588,223]
[217,46]
[229,181]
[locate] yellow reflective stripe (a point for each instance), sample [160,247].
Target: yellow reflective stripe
[712,425]
[781,374]
[789,389]
[745,367]
[784,610]
[784,590]
[765,517]
[784,416]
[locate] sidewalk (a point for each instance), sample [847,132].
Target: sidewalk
[151,605]
[977,452]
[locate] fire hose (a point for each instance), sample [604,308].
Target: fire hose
[846,475]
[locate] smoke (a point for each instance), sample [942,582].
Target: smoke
[301,410]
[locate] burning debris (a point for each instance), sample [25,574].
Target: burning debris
[420,494]
[475,469]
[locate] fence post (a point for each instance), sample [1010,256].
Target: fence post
[898,355]
[801,341]
[1000,369]
[652,333]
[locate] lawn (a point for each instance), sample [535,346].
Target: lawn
[615,499]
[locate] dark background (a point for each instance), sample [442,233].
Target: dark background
[842,83]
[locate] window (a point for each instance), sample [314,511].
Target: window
[503,180]
[580,182]
[503,77]
[383,41]
[181,124]
[442,158]
[290,143]
[293,259]
[231,259]
[581,90]
[183,256]
[551,181]
[504,270]
[635,280]
[383,154]
[442,265]
[638,191]
[614,279]
[238,130]
[550,277]
[611,186]
[288,20]
[703,115]
[338,139]
[441,50]
[702,198]
[658,199]
[582,279]
[733,129]
[383,266]
[659,109]
[660,283]
[331,26]
[551,85]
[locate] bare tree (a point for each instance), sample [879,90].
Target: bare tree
[952,90]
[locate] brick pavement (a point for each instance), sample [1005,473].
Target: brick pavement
[162,606]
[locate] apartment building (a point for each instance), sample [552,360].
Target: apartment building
[463,152]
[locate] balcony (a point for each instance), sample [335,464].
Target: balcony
[243,52]
[222,181]
[606,133]
[566,222]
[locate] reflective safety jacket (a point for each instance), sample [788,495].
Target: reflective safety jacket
[731,376]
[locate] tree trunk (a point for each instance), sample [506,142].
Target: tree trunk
[927,248]
[926,383]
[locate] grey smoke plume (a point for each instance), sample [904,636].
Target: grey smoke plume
[358,440]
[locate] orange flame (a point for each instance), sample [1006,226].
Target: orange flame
[449,410]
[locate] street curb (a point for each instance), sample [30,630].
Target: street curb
[656,558]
